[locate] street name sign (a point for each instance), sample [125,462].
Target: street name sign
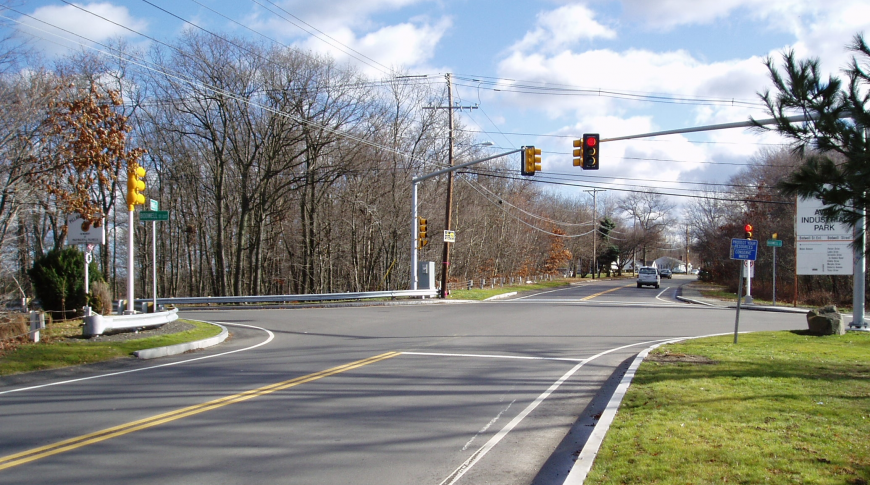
[775,243]
[154,216]
[744,249]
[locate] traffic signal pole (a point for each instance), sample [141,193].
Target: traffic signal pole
[131,229]
[415,182]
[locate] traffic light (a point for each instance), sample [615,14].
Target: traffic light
[748,229]
[531,160]
[578,153]
[422,239]
[590,151]
[135,185]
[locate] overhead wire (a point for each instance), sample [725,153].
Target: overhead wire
[532,226]
[616,189]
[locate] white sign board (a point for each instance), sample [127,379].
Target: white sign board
[822,243]
[80,231]
[450,236]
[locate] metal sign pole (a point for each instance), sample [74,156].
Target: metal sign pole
[739,295]
[154,261]
[774,276]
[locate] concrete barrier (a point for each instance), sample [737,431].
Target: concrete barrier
[99,324]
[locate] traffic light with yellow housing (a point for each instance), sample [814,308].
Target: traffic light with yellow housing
[578,153]
[748,231]
[422,237]
[531,160]
[135,185]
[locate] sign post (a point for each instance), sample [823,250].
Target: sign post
[81,231]
[743,250]
[774,243]
[154,215]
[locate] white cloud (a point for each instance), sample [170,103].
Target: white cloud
[80,22]
[633,72]
[561,28]
[408,45]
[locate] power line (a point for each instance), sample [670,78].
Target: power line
[577,137]
[567,184]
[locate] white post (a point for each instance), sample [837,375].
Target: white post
[130,232]
[154,262]
[414,236]
[748,267]
[858,286]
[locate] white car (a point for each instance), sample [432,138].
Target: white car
[648,276]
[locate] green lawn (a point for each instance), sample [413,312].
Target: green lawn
[779,407]
[59,350]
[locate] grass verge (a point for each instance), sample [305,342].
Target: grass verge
[63,346]
[779,407]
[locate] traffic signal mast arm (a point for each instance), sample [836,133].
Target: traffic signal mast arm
[461,166]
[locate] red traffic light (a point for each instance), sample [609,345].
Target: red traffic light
[747,228]
[591,141]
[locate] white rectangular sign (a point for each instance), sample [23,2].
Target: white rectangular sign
[80,231]
[822,243]
[450,236]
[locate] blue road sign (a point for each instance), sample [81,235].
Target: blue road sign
[744,249]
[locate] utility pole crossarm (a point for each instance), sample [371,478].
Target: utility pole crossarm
[461,166]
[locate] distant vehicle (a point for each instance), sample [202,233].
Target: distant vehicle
[695,271]
[648,276]
[666,273]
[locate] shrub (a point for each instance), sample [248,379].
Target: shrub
[100,298]
[58,281]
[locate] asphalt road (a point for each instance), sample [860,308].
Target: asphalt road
[499,392]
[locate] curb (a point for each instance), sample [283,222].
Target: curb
[696,302]
[755,308]
[503,295]
[185,347]
[587,455]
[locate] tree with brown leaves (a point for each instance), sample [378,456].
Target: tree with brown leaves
[81,148]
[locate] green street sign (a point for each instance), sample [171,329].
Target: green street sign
[153,216]
[776,243]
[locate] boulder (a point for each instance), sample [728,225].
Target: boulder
[826,321]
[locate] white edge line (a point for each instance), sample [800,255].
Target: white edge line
[663,292]
[477,455]
[487,356]
[584,462]
[269,339]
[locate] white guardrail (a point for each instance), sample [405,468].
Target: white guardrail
[99,324]
[205,300]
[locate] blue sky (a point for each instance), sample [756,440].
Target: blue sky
[667,48]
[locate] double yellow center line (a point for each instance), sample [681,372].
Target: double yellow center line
[109,433]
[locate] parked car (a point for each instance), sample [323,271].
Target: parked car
[648,276]
[666,273]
